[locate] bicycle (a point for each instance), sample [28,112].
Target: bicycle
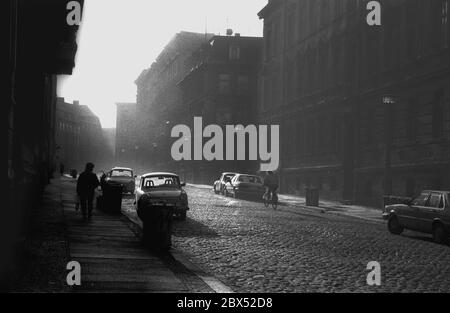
[272,201]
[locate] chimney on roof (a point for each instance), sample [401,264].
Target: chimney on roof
[76,102]
[237,35]
[229,32]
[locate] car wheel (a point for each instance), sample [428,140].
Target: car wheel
[225,192]
[439,233]
[215,190]
[394,226]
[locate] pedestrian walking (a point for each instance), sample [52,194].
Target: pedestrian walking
[86,185]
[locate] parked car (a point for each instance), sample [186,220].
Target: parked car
[161,189]
[219,185]
[429,212]
[244,185]
[122,176]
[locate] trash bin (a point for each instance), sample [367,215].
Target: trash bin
[157,227]
[312,197]
[111,199]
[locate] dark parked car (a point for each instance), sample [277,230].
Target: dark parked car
[244,185]
[219,185]
[163,190]
[429,212]
[122,176]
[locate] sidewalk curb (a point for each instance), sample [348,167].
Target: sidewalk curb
[323,210]
[212,282]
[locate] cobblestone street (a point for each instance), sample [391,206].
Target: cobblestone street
[251,248]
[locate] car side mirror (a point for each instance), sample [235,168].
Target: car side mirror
[183,184]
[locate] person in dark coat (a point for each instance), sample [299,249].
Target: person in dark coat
[86,185]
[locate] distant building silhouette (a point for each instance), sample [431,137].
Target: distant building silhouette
[127,147]
[80,137]
[159,99]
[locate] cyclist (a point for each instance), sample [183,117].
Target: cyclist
[271,182]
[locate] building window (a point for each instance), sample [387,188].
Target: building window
[412,121]
[319,183]
[368,189]
[411,31]
[268,40]
[224,84]
[243,84]
[291,28]
[276,38]
[290,82]
[370,124]
[333,184]
[234,52]
[301,74]
[438,112]
[444,24]
[410,187]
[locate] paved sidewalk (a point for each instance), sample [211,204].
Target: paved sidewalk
[113,258]
[329,207]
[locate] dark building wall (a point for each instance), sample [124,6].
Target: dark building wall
[304,85]
[39,45]
[324,78]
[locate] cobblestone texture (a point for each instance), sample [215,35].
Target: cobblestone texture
[255,249]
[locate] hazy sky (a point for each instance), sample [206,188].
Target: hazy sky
[120,38]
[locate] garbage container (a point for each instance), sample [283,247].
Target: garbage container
[111,199]
[312,197]
[157,226]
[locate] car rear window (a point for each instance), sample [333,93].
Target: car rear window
[121,173]
[161,181]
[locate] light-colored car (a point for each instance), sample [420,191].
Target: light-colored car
[122,176]
[429,212]
[219,185]
[245,185]
[163,190]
